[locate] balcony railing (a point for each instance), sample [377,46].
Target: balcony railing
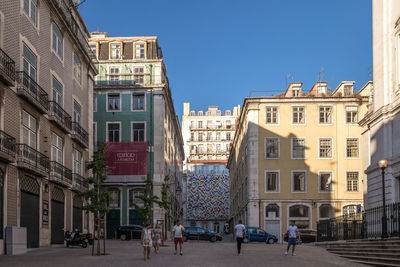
[32,160]
[127,80]
[209,152]
[79,182]
[8,147]
[212,139]
[60,116]
[211,127]
[79,134]
[7,67]
[59,173]
[30,90]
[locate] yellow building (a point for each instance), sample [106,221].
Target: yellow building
[297,156]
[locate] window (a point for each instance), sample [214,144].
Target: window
[138,132]
[271,146]
[77,162]
[30,65]
[218,136]
[325,147]
[298,115]
[351,114]
[326,211]
[299,181]
[138,76]
[228,136]
[200,136]
[271,115]
[57,41]
[352,147]
[321,90]
[228,124]
[300,214]
[139,50]
[113,132]
[29,129]
[325,182]
[350,210]
[77,112]
[325,115]
[209,136]
[115,198]
[77,69]
[30,8]
[296,91]
[192,113]
[114,75]
[93,47]
[200,113]
[115,51]
[57,92]
[57,148]
[298,148]
[227,113]
[352,181]
[114,102]
[200,123]
[271,181]
[138,102]
[134,198]
[272,211]
[348,90]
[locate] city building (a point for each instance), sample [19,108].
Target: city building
[207,139]
[381,125]
[46,90]
[134,113]
[297,156]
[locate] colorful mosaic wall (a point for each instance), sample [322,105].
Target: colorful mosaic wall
[208,197]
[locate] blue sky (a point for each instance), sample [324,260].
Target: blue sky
[217,52]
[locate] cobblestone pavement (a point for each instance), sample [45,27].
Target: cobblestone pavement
[196,253]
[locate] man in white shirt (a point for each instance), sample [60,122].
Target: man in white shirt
[177,233]
[293,234]
[239,232]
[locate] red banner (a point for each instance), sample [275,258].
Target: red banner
[127,158]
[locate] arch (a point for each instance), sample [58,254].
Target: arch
[326,211]
[301,214]
[30,185]
[272,211]
[57,194]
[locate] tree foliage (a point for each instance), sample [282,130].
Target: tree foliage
[148,200]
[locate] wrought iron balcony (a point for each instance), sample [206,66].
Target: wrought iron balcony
[212,127]
[7,68]
[79,134]
[8,147]
[60,174]
[59,116]
[28,89]
[32,160]
[79,182]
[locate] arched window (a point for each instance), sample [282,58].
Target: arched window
[272,211]
[301,215]
[350,210]
[326,211]
[200,113]
[192,113]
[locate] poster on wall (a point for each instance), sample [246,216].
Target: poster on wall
[126,161]
[45,212]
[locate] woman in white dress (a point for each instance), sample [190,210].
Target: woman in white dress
[146,240]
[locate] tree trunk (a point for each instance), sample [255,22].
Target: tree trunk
[94,236]
[104,236]
[98,236]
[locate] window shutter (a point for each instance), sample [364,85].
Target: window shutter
[103,51]
[128,50]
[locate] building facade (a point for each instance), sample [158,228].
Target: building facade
[207,138]
[133,105]
[297,156]
[46,90]
[381,125]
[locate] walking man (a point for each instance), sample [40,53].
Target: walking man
[239,232]
[293,234]
[177,233]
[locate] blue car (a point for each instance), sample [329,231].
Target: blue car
[258,235]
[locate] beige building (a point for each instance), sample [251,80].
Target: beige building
[46,110]
[297,156]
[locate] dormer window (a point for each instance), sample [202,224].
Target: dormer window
[228,113]
[321,90]
[115,51]
[348,90]
[296,91]
[139,50]
[192,113]
[200,113]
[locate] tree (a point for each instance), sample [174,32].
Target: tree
[96,198]
[148,200]
[164,203]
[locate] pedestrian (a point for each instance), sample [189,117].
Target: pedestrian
[146,240]
[177,233]
[292,234]
[157,238]
[239,232]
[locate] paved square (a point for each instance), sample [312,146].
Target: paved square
[196,253]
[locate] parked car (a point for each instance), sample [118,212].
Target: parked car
[306,236]
[128,232]
[198,233]
[258,235]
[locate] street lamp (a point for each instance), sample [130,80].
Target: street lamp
[383,165]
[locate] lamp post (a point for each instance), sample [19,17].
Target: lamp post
[383,165]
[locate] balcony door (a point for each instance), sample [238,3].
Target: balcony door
[57,92]
[29,130]
[29,63]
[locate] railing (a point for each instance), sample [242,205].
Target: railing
[209,139]
[211,152]
[28,86]
[7,144]
[59,171]
[212,127]
[80,181]
[367,224]
[7,65]
[80,132]
[126,80]
[32,157]
[57,111]
[65,10]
